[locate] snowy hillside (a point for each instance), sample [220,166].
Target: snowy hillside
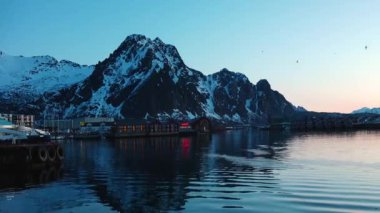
[37,75]
[367,110]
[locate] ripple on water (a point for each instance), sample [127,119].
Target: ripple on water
[238,172]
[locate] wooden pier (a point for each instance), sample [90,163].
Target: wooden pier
[29,155]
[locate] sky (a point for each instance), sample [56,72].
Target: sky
[312,51]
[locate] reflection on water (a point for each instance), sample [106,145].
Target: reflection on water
[234,171]
[19,180]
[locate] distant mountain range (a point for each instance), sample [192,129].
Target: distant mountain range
[367,110]
[142,78]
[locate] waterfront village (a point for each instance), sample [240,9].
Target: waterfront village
[27,142]
[97,127]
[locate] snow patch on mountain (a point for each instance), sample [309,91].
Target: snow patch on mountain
[367,110]
[38,74]
[207,87]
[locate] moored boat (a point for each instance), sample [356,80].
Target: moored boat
[22,147]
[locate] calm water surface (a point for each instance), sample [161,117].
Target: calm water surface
[235,171]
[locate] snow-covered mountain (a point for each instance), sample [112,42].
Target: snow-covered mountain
[146,78]
[367,110]
[25,79]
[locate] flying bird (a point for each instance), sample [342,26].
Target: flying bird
[297,61]
[365,47]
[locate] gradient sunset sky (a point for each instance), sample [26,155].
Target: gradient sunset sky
[262,39]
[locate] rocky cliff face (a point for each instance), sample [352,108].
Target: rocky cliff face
[145,78]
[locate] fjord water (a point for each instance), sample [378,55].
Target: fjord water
[235,171]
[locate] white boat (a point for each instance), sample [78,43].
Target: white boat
[13,133]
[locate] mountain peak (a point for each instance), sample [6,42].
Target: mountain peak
[263,85]
[64,61]
[133,40]
[135,37]
[225,70]
[157,40]
[142,38]
[228,73]
[139,42]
